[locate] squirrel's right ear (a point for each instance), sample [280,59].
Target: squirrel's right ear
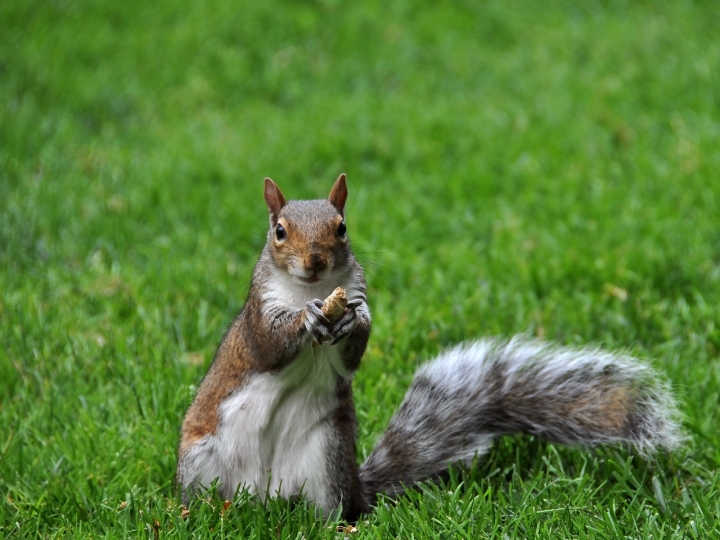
[274,200]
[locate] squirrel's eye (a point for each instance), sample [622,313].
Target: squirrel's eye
[280,233]
[342,230]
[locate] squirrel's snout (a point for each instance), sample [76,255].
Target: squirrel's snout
[315,261]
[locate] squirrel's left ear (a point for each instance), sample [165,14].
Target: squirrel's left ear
[338,194]
[274,200]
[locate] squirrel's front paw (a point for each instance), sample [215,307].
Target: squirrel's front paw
[316,322]
[346,324]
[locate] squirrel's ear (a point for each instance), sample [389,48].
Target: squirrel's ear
[338,194]
[274,199]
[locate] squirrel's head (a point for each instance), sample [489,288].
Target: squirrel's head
[308,239]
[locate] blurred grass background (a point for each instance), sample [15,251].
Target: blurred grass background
[545,168]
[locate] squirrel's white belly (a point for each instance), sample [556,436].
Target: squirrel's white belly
[273,432]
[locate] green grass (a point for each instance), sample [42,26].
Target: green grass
[550,168]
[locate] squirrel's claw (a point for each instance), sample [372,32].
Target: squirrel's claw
[315,321]
[343,327]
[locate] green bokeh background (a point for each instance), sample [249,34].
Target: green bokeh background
[514,167]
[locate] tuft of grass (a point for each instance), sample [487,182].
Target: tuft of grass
[544,169]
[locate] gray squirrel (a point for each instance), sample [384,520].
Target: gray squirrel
[275,412]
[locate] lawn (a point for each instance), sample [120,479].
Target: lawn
[544,168]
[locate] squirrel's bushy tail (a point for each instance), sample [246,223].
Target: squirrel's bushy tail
[461,400]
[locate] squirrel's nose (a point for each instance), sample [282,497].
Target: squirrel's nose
[315,262]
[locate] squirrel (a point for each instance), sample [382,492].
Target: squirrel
[275,412]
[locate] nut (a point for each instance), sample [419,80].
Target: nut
[334,305]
